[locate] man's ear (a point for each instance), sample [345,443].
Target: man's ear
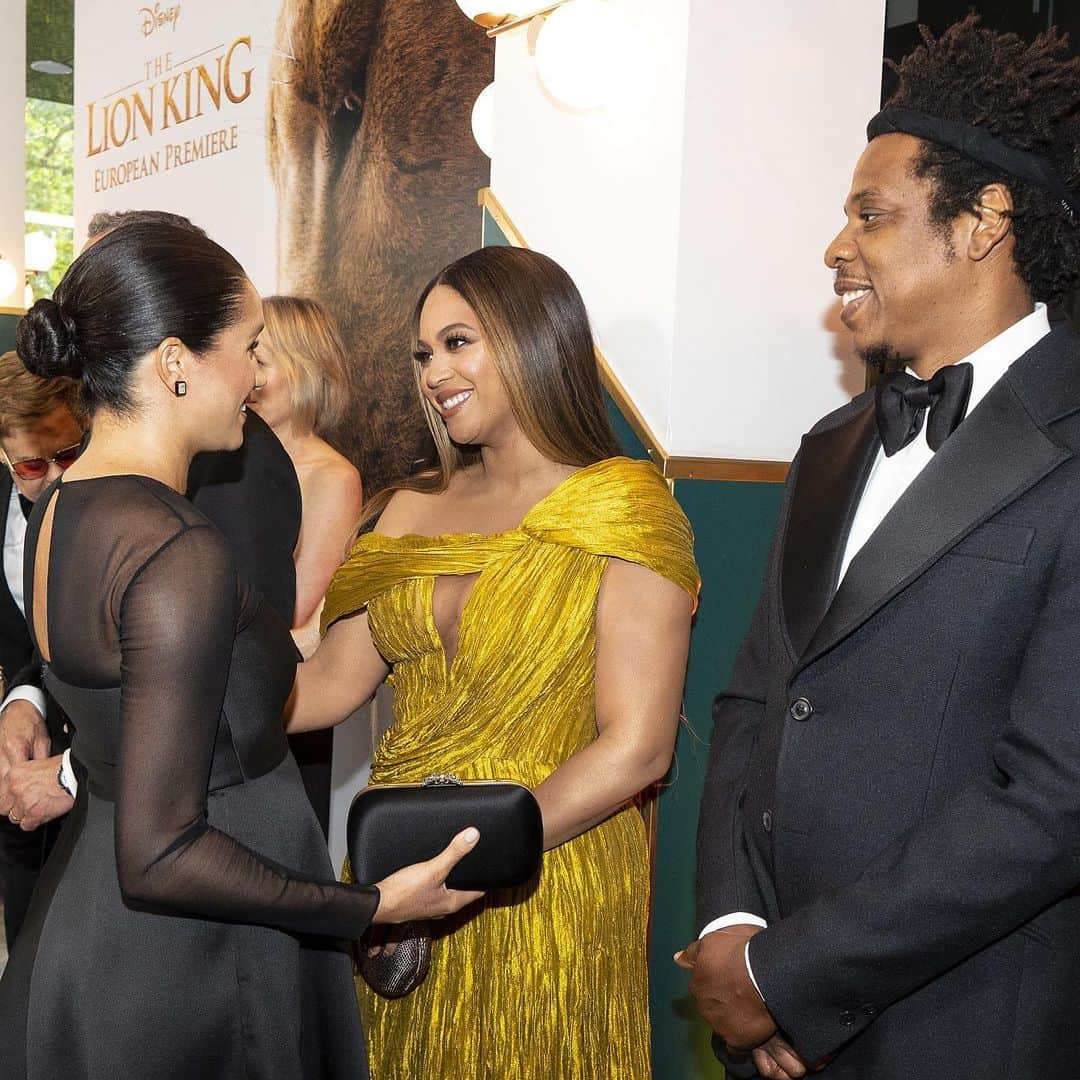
[169,363]
[993,213]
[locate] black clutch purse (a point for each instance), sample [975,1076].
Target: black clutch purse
[394,825]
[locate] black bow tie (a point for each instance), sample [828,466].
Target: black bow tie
[901,402]
[26,506]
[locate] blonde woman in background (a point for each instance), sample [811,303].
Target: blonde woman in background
[303,390]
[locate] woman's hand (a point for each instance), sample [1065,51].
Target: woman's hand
[419,891]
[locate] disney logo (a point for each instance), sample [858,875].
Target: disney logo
[156,17]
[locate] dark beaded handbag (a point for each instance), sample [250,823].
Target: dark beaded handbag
[391,826]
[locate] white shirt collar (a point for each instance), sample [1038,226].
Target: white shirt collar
[992,360]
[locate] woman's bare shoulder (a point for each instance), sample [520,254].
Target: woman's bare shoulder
[412,512]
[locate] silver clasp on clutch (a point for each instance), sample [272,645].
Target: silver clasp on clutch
[441,780]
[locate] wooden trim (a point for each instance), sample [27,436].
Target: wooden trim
[485,197]
[13,311]
[673,466]
[695,468]
[512,22]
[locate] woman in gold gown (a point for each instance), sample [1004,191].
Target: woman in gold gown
[531,599]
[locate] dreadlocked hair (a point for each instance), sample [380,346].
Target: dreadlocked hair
[1028,96]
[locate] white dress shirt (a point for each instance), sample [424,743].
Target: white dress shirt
[890,477]
[14,539]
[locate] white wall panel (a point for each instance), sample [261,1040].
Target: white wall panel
[13,140]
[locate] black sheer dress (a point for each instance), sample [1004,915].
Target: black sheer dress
[188,923]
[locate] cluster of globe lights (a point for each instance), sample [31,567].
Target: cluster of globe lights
[582,54]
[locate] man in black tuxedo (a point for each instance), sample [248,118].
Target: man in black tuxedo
[889,843]
[41,433]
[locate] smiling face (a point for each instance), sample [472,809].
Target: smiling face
[458,377]
[222,379]
[901,280]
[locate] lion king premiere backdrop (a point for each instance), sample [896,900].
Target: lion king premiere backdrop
[686,160]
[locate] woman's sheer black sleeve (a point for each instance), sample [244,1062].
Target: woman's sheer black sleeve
[177,621]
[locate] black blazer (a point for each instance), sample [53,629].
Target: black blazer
[253,496]
[15,646]
[894,777]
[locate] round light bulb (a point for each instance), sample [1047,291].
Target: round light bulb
[487,13]
[9,278]
[40,252]
[483,120]
[583,54]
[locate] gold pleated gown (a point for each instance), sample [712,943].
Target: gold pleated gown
[549,982]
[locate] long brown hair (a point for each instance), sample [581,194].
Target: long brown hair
[536,330]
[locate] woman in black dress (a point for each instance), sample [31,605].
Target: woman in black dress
[188,923]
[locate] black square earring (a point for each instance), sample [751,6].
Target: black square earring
[180,389]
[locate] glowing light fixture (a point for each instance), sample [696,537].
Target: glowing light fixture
[41,252]
[483,120]
[584,54]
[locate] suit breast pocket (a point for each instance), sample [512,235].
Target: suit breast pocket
[997,542]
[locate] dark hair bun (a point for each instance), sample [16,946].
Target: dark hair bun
[45,340]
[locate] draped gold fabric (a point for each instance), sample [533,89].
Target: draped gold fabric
[549,983]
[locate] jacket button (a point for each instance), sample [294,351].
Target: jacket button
[766,821]
[67,729]
[847,1018]
[801,709]
[870,1010]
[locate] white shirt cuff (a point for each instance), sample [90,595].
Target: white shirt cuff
[737,918]
[71,783]
[33,694]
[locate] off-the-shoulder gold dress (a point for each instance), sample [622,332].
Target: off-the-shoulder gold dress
[548,983]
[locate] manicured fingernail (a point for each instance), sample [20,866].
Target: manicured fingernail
[677,955]
[471,836]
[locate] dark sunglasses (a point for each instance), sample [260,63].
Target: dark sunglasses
[36,467]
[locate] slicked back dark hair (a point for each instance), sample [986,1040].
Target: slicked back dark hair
[136,286]
[1028,96]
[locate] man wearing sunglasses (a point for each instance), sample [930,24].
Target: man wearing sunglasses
[41,433]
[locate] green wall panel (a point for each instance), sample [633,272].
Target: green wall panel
[733,525]
[7,332]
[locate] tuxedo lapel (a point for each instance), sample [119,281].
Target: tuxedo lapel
[996,455]
[833,468]
[5,500]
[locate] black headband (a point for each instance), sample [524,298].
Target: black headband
[979,145]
